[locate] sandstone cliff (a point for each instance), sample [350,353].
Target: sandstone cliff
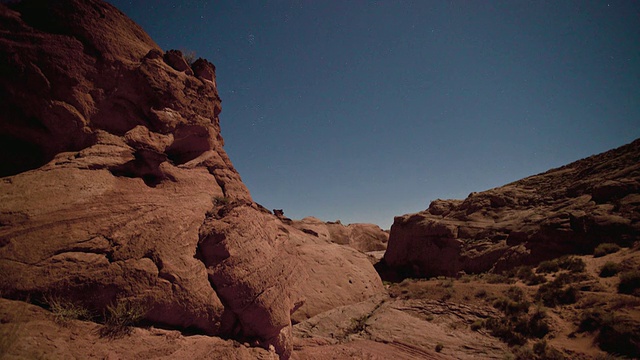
[115,187]
[566,210]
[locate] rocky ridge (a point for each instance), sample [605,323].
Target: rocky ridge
[116,187]
[566,210]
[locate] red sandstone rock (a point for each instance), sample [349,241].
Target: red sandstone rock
[566,210]
[116,187]
[362,237]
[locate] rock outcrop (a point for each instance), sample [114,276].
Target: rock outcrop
[566,210]
[115,187]
[362,237]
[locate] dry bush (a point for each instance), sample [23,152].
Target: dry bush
[605,249]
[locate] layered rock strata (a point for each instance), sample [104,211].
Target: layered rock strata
[115,187]
[566,210]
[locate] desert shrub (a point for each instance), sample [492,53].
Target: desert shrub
[553,294]
[543,351]
[222,200]
[189,56]
[537,326]
[65,311]
[518,324]
[477,325]
[616,334]
[605,249]
[446,283]
[439,347]
[482,293]
[573,264]
[548,266]
[120,317]
[511,307]
[526,274]
[629,282]
[497,279]
[503,329]
[592,320]
[570,263]
[610,269]
[515,293]
[622,336]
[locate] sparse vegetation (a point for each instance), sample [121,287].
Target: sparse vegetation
[610,269]
[439,347]
[570,263]
[630,282]
[554,294]
[221,200]
[65,311]
[492,278]
[616,334]
[481,293]
[517,325]
[526,274]
[120,317]
[189,56]
[605,249]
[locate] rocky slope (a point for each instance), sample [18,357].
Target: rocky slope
[116,188]
[566,210]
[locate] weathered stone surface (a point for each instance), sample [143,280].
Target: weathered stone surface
[115,187]
[362,237]
[30,332]
[566,210]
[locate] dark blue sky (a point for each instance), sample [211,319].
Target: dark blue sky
[363,110]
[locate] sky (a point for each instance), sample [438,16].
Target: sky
[360,111]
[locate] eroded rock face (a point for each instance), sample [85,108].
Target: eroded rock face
[362,237]
[115,187]
[566,210]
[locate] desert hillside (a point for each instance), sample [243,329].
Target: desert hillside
[127,233]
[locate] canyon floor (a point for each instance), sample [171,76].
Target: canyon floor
[490,316]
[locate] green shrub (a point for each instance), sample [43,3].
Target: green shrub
[605,249]
[120,317]
[629,282]
[610,269]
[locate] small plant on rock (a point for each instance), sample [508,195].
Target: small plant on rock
[120,317]
[65,311]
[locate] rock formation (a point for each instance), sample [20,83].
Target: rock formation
[115,187]
[362,237]
[566,210]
